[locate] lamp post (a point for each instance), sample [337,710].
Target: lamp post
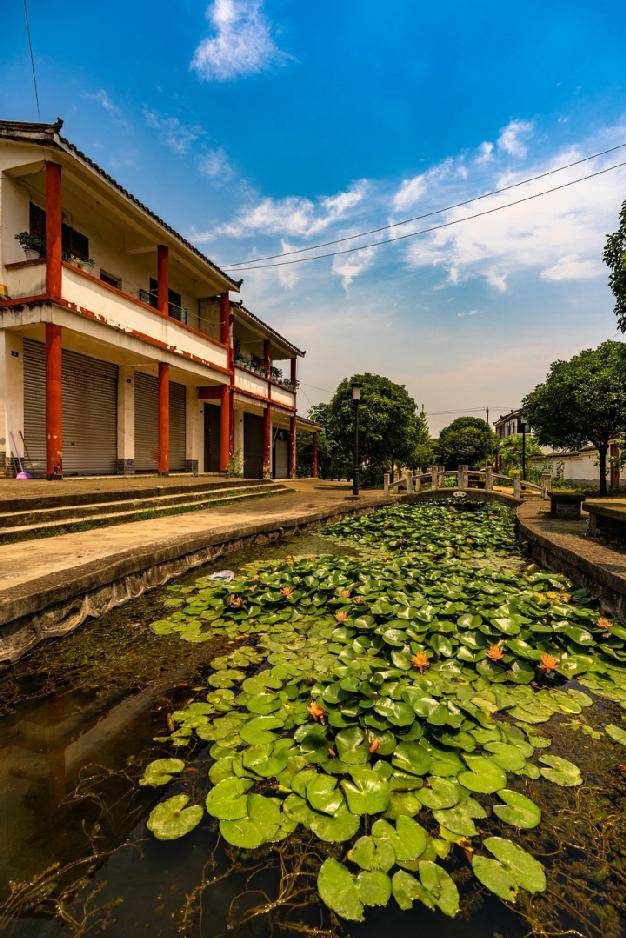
[356,400]
[523,426]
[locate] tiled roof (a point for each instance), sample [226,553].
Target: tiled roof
[272,332]
[50,135]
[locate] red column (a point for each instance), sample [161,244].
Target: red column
[224,318]
[292,447]
[53,229]
[315,473]
[224,426]
[54,409]
[231,396]
[294,370]
[267,443]
[267,351]
[163,279]
[164,418]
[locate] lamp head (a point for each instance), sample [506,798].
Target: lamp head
[356,392]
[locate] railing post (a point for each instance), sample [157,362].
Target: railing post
[517,485]
[546,478]
[463,477]
[417,483]
[386,483]
[488,479]
[409,482]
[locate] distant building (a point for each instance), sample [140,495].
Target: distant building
[508,424]
[121,349]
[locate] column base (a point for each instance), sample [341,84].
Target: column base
[191,465]
[125,467]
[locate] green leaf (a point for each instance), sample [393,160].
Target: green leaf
[560,771]
[411,757]
[406,889]
[408,839]
[367,793]
[351,745]
[495,877]
[484,775]
[257,731]
[228,801]
[395,711]
[171,819]
[518,810]
[343,826]
[258,827]
[372,854]
[323,795]
[527,871]
[440,886]
[338,889]
[161,771]
[442,793]
[374,887]
[616,733]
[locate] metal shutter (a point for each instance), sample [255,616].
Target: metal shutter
[252,446]
[89,414]
[178,426]
[89,391]
[281,455]
[35,405]
[147,424]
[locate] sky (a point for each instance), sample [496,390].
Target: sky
[261,127]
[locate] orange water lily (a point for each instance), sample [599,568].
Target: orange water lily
[317,712]
[234,601]
[287,591]
[604,623]
[421,661]
[548,663]
[345,594]
[374,744]
[341,616]
[495,653]
[357,600]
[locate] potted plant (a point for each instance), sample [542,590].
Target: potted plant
[33,244]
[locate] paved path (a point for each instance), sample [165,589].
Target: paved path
[27,561]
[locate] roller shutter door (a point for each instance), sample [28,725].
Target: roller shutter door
[147,424]
[252,446]
[89,393]
[281,454]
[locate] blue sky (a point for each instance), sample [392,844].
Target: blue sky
[261,126]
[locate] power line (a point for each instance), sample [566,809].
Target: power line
[439,211]
[448,224]
[468,410]
[32,58]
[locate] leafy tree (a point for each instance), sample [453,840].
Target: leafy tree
[304,444]
[389,425]
[467,441]
[582,400]
[615,259]
[510,450]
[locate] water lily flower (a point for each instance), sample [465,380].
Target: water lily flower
[331,752]
[495,653]
[345,593]
[341,616]
[552,596]
[604,624]
[234,601]
[357,600]
[286,591]
[374,744]
[548,663]
[421,661]
[565,597]
[317,712]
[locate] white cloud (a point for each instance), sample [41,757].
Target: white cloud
[573,267]
[410,192]
[289,275]
[512,137]
[485,153]
[294,215]
[215,165]
[102,98]
[351,266]
[173,132]
[469,314]
[241,42]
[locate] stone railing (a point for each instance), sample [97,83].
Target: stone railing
[438,478]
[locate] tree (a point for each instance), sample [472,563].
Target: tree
[304,444]
[510,450]
[389,426]
[582,400]
[467,441]
[615,259]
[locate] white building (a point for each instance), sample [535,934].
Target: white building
[121,349]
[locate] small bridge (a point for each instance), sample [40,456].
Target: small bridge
[477,480]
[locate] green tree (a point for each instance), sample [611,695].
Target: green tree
[510,450]
[582,400]
[467,441]
[304,444]
[615,259]
[388,424]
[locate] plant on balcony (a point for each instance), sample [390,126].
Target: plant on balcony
[33,244]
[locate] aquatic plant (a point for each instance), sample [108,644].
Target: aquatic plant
[397,725]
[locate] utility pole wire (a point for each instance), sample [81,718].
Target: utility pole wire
[32,58]
[439,211]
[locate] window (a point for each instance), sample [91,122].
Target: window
[73,243]
[175,309]
[112,280]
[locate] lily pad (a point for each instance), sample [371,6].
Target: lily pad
[258,827]
[161,771]
[227,800]
[171,819]
[560,771]
[518,810]
[338,889]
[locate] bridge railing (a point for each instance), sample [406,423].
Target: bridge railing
[437,477]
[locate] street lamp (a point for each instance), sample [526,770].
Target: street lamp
[356,400]
[523,426]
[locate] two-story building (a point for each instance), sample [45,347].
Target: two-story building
[121,349]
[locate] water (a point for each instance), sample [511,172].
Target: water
[78,722]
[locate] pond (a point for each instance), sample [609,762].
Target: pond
[400,715]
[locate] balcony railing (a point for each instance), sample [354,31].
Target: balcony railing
[179,313]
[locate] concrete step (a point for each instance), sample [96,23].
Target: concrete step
[9,534]
[101,494]
[97,507]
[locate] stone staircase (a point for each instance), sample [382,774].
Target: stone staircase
[47,516]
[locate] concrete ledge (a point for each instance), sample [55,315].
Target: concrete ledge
[434,494]
[560,545]
[56,604]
